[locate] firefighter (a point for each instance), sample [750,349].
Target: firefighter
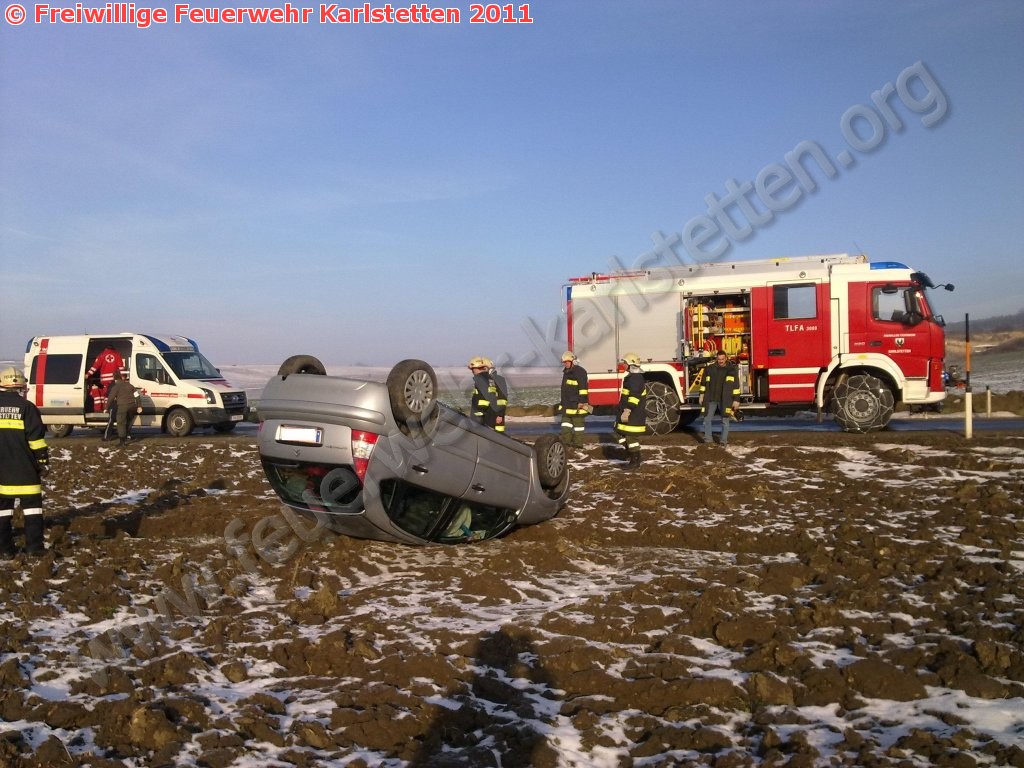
[719,390]
[631,421]
[23,460]
[500,392]
[574,405]
[483,406]
[106,362]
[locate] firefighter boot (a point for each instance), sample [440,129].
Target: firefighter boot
[634,459]
[34,534]
[6,538]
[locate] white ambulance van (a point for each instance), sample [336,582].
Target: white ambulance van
[180,388]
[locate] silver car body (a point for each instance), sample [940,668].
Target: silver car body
[447,480]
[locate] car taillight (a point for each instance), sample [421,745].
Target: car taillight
[362,447]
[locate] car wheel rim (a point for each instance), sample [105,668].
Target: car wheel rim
[556,460]
[419,391]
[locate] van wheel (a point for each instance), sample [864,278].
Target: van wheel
[662,406]
[301,364]
[862,403]
[60,430]
[179,423]
[552,464]
[412,389]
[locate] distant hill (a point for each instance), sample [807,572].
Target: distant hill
[1000,324]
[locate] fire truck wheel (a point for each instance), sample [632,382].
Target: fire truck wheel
[412,389]
[662,407]
[862,403]
[179,423]
[552,462]
[301,364]
[60,430]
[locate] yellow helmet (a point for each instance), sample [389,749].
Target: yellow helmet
[631,358]
[488,363]
[477,362]
[568,357]
[12,378]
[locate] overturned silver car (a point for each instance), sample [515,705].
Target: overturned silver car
[388,461]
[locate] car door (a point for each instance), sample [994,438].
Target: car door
[503,469]
[443,460]
[55,383]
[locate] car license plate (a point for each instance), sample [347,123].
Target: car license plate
[303,435]
[236,417]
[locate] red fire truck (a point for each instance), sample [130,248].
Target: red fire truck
[834,332]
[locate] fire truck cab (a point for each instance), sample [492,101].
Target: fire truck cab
[179,387]
[837,332]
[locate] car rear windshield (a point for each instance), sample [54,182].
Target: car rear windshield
[317,487]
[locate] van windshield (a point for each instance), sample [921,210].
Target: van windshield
[191,365]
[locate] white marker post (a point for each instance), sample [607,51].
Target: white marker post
[968,397]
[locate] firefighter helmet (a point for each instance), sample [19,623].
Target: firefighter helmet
[477,362]
[631,358]
[12,378]
[568,357]
[488,363]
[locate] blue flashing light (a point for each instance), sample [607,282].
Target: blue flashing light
[157,344]
[888,265]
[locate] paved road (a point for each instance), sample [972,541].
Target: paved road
[603,425]
[917,423]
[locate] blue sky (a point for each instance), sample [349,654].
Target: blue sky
[374,192]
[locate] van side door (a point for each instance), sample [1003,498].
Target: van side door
[56,383]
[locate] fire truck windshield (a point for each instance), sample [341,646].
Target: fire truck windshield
[922,280]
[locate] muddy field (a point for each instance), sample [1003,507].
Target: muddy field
[801,600]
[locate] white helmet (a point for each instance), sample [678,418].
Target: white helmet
[631,358]
[568,357]
[12,378]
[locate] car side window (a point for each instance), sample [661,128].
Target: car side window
[413,509]
[150,369]
[439,518]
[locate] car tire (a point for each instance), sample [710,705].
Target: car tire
[552,462]
[412,390]
[60,430]
[179,423]
[301,364]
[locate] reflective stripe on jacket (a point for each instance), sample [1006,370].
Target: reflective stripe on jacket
[575,390]
[22,445]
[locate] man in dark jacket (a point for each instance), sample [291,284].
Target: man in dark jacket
[23,460]
[123,400]
[631,421]
[575,401]
[719,390]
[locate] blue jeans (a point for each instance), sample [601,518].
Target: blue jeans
[709,411]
